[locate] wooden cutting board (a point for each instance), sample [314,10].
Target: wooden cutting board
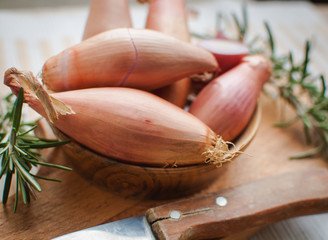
[75,203]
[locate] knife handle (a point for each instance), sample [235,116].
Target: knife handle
[243,208]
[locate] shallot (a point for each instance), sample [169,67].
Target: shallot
[106,15]
[170,17]
[227,103]
[138,58]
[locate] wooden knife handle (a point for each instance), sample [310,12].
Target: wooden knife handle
[245,207]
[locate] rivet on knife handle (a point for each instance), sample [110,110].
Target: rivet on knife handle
[249,206]
[221,201]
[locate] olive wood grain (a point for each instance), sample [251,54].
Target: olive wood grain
[252,205]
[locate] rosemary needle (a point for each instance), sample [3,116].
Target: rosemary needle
[16,151]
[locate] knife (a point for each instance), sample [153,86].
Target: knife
[233,213]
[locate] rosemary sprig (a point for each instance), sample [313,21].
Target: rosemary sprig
[16,151]
[303,90]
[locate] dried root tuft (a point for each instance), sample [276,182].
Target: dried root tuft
[222,152]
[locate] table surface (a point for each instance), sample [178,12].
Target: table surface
[29,36]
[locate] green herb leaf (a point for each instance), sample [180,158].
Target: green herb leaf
[18,110]
[44,178]
[42,145]
[271,41]
[16,196]
[50,165]
[6,187]
[25,174]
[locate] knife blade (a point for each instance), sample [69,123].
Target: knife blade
[241,210]
[125,229]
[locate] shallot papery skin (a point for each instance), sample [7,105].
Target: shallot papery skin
[129,125]
[138,58]
[227,104]
[106,15]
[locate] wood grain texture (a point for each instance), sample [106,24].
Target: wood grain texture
[252,205]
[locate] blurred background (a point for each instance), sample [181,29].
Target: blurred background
[58,3]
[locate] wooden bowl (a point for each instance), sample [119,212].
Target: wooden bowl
[130,180]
